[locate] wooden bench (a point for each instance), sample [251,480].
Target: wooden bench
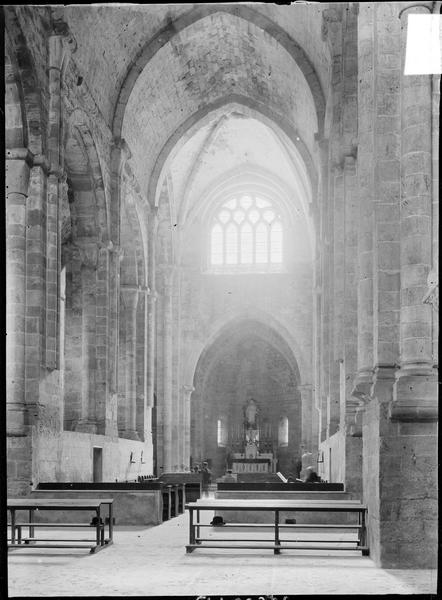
[32,505]
[277,506]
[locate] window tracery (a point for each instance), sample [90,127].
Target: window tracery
[246,234]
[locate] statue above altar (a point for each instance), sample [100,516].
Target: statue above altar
[252,442]
[251,411]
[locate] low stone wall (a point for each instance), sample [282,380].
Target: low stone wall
[144,507]
[301,517]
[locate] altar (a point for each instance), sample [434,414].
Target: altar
[251,460]
[263,464]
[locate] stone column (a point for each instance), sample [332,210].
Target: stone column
[151,310]
[89,258]
[322,299]
[35,283]
[142,362]
[167,408]
[348,412]
[61,44]
[120,153]
[187,393]
[128,313]
[307,417]
[366,151]
[399,439]
[415,396]
[102,403]
[338,297]
[17,180]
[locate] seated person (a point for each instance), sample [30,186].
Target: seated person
[311,476]
[291,478]
[229,477]
[206,478]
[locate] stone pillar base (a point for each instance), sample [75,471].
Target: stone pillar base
[415,397]
[15,420]
[130,434]
[84,426]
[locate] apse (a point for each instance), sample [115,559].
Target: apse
[246,407]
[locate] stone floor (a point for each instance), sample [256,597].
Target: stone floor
[152,562]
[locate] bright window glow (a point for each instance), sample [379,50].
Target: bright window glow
[276,242]
[283,431]
[231,244]
[261,237]
[246,244]
[222,434]
[247,231]
[217,245]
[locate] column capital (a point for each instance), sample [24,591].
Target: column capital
[383,380]
[362,385]
[114,249]
[337,168]
[188,389]
[350,164]
[17,174]
[120,144]
[61,41]
[88,250]
[129,175]
[129,295]
[20,154]
[353,422]
[432,295]
[305,388]
[322,142]
[416,8]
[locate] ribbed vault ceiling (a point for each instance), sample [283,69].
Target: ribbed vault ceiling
[196,69]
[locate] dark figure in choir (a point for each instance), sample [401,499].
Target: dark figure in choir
[206,478]
[311,476]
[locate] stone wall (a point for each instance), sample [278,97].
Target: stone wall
[110,298]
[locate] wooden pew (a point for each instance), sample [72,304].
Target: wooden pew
[277,506]
[71,504]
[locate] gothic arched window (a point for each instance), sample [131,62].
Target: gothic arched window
[246,234]
[222,432]
[283,431]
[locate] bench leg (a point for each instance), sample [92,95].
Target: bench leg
[363,534]
[111,522]
[12,525]
[98,530]
[277,542]
[191,527]
[197,527]
[31,520]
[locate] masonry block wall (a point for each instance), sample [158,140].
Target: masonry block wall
[240,366]
[69,243]
[120,337]
[391,399]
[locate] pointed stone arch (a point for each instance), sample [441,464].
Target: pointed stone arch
[263,363]
[259,110]
[21,73]
[229,321]
[164,35]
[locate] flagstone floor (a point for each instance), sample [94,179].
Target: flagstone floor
[152,561]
